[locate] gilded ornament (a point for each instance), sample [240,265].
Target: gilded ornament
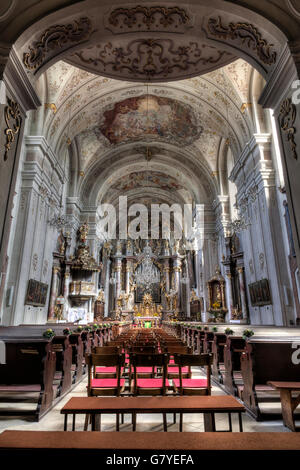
[12,112]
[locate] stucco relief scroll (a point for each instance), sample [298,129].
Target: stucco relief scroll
[287,118]
[143,18]
[247,34]
[56,37]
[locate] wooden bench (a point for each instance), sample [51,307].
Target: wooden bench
[175,441]
[77,356]
[288,402]
[266,360]
[208,405]
[232,361]
[218,356]
[63,350]
[30,368]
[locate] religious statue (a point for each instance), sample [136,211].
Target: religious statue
[83,231]
[106,249]
[100,297]
[58,312]
[169,301]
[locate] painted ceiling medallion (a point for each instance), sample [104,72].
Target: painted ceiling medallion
[150,117]
[56,37]
[247,34]
[151,59]
[141,18]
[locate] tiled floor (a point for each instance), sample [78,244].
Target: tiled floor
[53,421]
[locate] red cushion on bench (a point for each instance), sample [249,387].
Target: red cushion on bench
[106,370]
[191,383]
[145,370]
[151,383]
[175,370]
[106,383]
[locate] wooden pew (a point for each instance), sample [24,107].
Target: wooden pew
[208,341]
[92,443]
[77,356]
[266,360]
[218,356]
[63,350]
[30,367]
[232,361]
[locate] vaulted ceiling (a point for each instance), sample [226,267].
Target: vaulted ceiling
[162,139]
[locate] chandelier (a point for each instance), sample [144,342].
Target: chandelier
[147,273]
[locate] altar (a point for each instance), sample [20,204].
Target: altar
[147,314]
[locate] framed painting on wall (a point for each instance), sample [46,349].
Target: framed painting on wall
[260,293]
[36,293]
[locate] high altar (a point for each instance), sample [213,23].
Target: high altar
[147,314]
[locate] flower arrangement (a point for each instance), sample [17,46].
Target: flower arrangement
[248,333]
[214,329]
[199,327]
[67,331]
[206,328]
[95,326]
[48,333]
[229,331]
[87,328]
[79,329]
[216,305]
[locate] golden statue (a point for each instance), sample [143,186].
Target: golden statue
[83,231]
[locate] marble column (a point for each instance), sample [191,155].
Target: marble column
[66,293]
[106,287]
[230,298]
[118,269]
[177,275]
[55,270]
[243,293]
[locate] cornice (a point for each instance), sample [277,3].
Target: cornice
[282,76]
[18,83]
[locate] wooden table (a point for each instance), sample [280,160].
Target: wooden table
[119,441]
[288,403]
[208,405]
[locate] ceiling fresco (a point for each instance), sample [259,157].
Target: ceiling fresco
[110,124]
[147,178]
[153,117]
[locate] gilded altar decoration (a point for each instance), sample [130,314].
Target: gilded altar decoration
[142,18]
[216,296]
[84,261]
[247,34]
[287,118]
[56,37]
[148,308]
[11,113]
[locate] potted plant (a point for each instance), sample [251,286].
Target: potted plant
[248,333]
[49,333]
[229,331]
[206,328]
[79,329]
[67,331]
[87,328]
[214,329]
[199,327]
